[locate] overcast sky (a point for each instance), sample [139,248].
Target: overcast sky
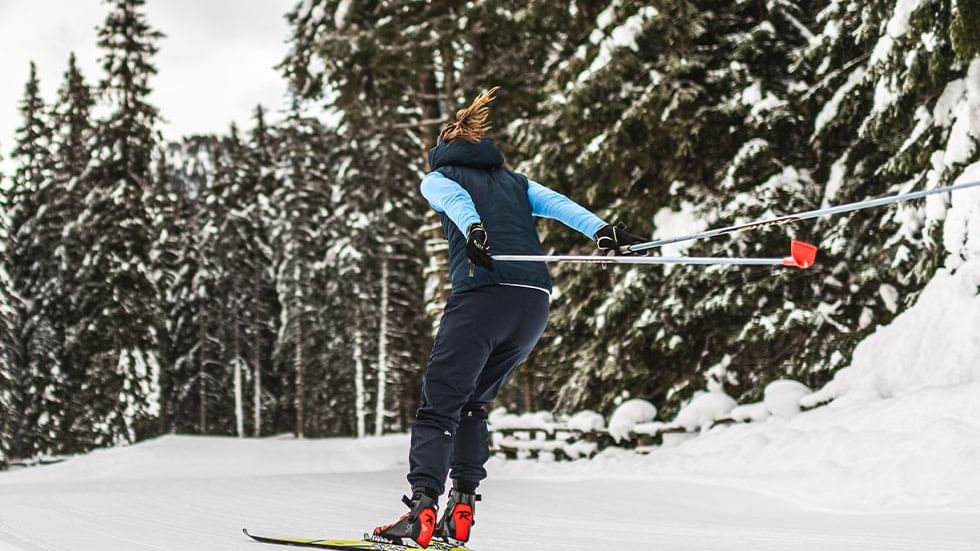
[214,66]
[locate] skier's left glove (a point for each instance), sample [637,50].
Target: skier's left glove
[478,246]
[615,239]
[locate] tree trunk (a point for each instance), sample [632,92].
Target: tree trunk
[379,418]
[359,398]
[239,403]
[298,365]
[202,380]
[257,373]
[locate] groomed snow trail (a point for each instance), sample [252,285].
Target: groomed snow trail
[192,493]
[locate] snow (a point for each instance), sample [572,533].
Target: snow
[499,419]
[889,295]
[754,412]
[622,36]
[672,223]
[897,26]
[704,409]
[966,130]
[782,397]
[838,171]
[629,414]
[758,487]
[586,421]
[829,111]
[340,14]
[961,231]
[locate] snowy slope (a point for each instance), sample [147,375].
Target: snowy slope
[197,493]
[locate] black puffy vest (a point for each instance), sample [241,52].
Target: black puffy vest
[501,200]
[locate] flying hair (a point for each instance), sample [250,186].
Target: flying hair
[473,122]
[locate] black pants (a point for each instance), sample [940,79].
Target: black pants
[485,333]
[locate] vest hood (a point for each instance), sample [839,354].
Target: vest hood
[482,155]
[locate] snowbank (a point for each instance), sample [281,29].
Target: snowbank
[914,452]
[934,343]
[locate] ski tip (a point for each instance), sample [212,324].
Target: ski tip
[802,255]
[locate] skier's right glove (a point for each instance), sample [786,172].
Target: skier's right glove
[615,239]
[478,246]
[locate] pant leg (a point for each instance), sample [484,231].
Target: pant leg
[467,334]
[471,446]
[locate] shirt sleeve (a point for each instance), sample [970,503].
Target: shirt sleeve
[548,203]
[445,195]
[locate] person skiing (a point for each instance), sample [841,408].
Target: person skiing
[492,320]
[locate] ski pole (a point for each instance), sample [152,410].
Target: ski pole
[789,218]
[802,255]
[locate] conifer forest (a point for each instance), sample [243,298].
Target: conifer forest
[288,277]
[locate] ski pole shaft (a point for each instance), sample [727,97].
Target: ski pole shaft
[587,259]
[801,255]
[806,215]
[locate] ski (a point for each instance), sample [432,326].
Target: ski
[351,545]
[806,215]
[802,256]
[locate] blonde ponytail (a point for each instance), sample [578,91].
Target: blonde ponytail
[473,122]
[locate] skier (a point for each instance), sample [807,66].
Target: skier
[492,319]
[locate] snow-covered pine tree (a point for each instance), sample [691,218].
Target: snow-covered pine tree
[8,362]
[263,313]
[187,283]
[115,291]
[239,250]
[370,69]
[302,206]
[8,340]
[73,132]
[28,259]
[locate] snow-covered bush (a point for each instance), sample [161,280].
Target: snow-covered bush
[586,421]
[703,409]
[629,414]
[782,397]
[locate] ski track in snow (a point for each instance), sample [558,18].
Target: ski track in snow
[164,494]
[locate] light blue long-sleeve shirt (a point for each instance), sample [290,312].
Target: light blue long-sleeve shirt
[445,195]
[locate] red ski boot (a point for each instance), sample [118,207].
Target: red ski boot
[454,526]
[417,525]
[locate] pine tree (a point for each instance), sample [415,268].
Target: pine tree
[37,373]
[302,208]
[118,299]
[8,341]
[72,142]
[263,310]
[187,285]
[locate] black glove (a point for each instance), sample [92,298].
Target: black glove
[478,246]
[616,239]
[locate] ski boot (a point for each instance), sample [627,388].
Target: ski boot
[417,525]
[454,526]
